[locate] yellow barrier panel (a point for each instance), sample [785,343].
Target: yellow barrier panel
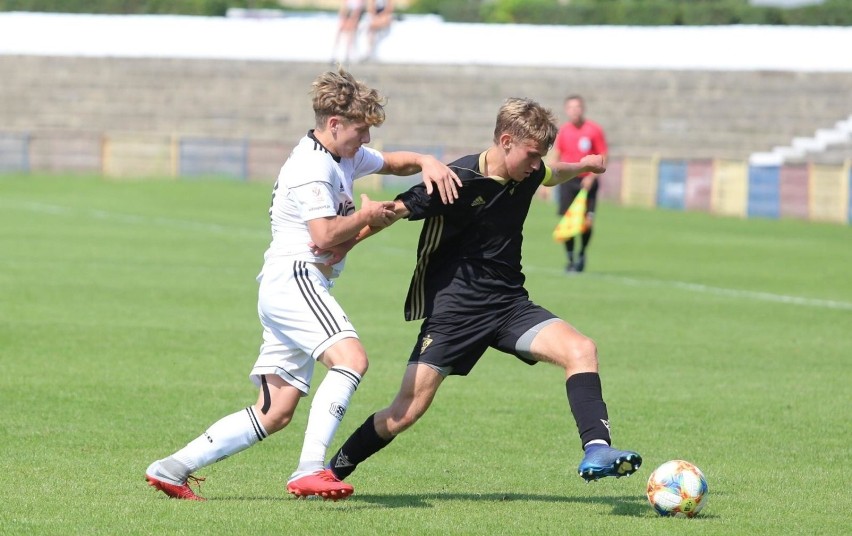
[829,192]
[729,195]
[138,155]
[639,180]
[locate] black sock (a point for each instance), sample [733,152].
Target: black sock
[569,248]
[363,443]
[584,241]
[586,400]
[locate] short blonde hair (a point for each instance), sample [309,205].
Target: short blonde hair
[338,93]
[526,120]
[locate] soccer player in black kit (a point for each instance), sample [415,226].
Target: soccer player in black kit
[469,289]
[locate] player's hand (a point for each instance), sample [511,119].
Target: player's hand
[437,174]
[379,213]
[596,163]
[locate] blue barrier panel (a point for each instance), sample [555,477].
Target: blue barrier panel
[764,192]
[207,156]
[671,190]
[14,152]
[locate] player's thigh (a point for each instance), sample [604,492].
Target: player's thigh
[297,310]
[533,334]
[562,344]
[453,343]
[284,360]
[300,320]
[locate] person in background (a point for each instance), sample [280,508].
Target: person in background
[312,207]
[350,14]
[577,138]
[381,17]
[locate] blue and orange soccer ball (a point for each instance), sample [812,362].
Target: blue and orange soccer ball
[677,489]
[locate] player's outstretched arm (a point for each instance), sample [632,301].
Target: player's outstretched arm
[435,173]
[340,250]
[333,230]
[399,212]
[563,171]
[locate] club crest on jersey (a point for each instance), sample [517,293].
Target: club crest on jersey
[427,340]
[317,191]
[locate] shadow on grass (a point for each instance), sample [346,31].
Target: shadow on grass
[627,505]
[621,505]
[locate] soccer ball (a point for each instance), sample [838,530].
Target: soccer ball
[677,489]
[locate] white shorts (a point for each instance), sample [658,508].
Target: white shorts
[300,321]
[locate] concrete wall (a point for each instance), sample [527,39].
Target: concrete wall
[646,113]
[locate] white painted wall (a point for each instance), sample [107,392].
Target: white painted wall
[429,40]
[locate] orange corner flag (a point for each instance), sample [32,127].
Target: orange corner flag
[573,220]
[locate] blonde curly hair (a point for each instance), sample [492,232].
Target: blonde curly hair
[339,93]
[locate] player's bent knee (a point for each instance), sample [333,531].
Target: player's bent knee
[587,353]
[347,353]
[275,420]
[400,422]
[581,352]
[359,364]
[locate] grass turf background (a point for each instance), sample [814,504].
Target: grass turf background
[128,325]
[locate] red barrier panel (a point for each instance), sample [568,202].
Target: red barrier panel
[610,182]
[794,191]
[699,185]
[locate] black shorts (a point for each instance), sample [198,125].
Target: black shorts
[454,342]
[568,191]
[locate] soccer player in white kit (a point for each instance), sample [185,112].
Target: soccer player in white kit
[314,224]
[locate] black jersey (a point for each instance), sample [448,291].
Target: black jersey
[469,252]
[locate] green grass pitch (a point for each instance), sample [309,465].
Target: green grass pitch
[128,325]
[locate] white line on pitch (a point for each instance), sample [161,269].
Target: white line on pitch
[707,289]
[631,281]
[45,208]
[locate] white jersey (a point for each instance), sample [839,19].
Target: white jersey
[313,184]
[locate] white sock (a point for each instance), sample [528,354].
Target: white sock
[595,442]
[327,410]
[227,436]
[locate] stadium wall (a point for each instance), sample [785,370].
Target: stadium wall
[724,187]
[679,139]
